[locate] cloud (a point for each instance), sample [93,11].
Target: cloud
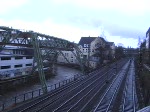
[125,41]
[51,28]
[127,7]
[72,19]
[112,27]
[116,30]
[67,32]
[8,5]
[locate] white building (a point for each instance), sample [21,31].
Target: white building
[15,61]
[69,56]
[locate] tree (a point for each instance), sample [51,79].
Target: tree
[143,44]
[119,52]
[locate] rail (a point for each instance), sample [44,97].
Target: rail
[35,93]
[55,98]
[108,97]
[53,103]
[52,90]
[129,95]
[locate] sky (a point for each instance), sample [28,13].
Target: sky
[119,21]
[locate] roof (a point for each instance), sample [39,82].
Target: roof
[103,39]
[86,40]
[110,43]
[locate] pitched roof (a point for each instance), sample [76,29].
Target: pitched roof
[103,39]
[110,43]
[86,40]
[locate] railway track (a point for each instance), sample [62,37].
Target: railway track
[129,100]
[107,100]
[78,91]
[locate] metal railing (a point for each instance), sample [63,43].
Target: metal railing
[35,93]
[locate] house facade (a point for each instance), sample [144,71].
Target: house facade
[67,57]
[94,49]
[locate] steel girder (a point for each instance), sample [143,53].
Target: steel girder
[45,48]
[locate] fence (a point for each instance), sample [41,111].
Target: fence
[35,93]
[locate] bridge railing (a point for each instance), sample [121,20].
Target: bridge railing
[10,103]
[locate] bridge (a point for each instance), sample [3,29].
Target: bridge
[45,48]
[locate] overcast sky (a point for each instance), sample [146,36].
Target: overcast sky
[121,21]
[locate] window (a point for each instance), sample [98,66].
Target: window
[30,64]
[72,60]
[14,52]
[5,67]
[5,58]
[86,50]
[85,45]
[18,57]
[71,55]
[17,66]
[29,57]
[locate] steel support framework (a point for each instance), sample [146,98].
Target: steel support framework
[45,48]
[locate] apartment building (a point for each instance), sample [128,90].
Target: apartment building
[85,46]
[15,61]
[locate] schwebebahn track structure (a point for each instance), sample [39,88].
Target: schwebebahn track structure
[45,47]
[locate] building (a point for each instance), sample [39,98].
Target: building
[15,61]
[85,46]
[94,49]
[130,52]
[110,48]
[67,57]
[148,39]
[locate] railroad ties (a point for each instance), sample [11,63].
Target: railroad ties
[95,92]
